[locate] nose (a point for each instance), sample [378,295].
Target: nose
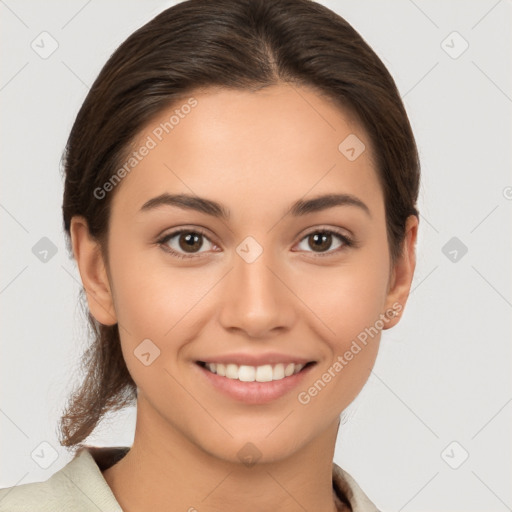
[258,299]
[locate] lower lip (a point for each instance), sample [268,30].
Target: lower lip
[254,392]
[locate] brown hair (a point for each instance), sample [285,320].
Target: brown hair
[241,44]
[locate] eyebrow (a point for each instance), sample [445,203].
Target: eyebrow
[215,209]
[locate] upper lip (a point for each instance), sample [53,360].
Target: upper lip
[256,359]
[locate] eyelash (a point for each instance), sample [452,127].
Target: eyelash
[347,242]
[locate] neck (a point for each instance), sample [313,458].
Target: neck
[162,471]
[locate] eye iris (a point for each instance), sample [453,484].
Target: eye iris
[188,240]
[322,239]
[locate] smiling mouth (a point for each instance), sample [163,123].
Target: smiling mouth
[264,373]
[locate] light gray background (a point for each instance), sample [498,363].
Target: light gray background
[442,375]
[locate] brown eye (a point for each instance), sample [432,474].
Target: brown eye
[321,241]
[189,243]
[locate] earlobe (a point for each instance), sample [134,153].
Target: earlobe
[87,253]
[402,274]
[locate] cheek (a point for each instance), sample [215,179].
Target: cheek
[151,299]
[348,298]
[155,302]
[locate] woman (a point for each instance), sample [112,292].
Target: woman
[240,198]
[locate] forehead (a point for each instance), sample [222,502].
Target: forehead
[247,148]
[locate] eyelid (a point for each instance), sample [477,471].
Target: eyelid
[327,229]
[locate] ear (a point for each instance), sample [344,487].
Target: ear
[87,253]
[402,274]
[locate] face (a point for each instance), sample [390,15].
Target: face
[288,300]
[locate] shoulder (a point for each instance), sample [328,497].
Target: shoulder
[54,494]
[78,486]
[346,486]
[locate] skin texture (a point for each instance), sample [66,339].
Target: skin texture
[256,153]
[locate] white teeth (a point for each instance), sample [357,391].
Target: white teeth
[264,373]
[232,371]
[278,372]
[246,373]
[289,370]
